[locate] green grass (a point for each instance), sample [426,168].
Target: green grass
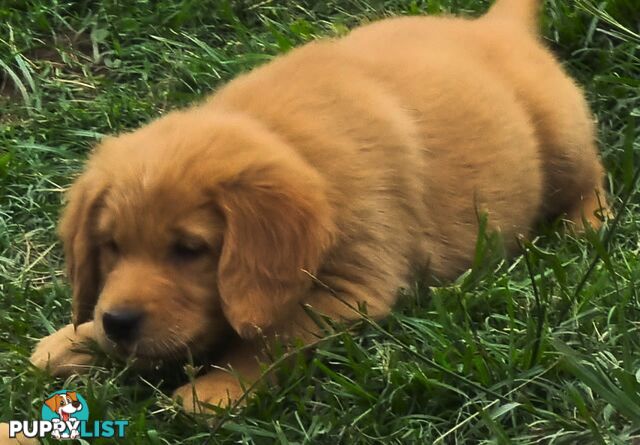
[543,349]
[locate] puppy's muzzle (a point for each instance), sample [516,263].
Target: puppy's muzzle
[122,326]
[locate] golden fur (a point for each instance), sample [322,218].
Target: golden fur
[356,161]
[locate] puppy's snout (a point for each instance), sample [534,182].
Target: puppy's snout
[122,326]
[76,404]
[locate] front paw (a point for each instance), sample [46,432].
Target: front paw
[216,389]
[20,438]
[65,352]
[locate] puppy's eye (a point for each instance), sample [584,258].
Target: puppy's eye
[184,251]
[111,246]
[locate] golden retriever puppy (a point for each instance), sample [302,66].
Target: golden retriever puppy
[339,168]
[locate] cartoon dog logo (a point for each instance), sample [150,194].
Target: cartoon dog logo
[65,405]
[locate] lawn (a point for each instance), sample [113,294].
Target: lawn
[541,349]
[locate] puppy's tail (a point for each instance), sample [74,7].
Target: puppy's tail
[524,12]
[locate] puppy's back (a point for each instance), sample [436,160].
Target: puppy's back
[505,42]
[428,120]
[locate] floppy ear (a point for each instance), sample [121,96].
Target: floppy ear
[81,251]
[53,403]
[279,224]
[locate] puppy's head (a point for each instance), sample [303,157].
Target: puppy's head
[67,402]
[190,225]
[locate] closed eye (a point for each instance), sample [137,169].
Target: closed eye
[107,242]
[187,251]
[111,246]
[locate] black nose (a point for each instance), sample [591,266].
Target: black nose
[122,325]
[75,404]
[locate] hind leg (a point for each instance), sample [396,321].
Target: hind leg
[564,127]
[580,198]
[591,209]
[574,176]
[575,180]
